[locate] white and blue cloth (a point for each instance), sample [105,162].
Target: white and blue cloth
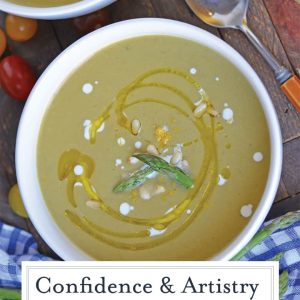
[286,241]
[17,245]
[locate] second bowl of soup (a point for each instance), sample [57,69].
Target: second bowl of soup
[158,142]
[52,9]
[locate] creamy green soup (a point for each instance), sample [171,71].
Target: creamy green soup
[189,111]
[43,3]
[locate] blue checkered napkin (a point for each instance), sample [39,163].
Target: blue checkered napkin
[16,246]
[286,241]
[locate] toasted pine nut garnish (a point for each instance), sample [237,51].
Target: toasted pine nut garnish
[121,141]
[151,149]
[200,110]
[198,102]
[176,158]
[136,126]
[93,204]
[133,160]
[159,190]
[144,192]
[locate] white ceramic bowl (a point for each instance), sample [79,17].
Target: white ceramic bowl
[63,66]
[50,13]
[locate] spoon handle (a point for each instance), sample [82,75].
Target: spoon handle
[291,88]
[290,84]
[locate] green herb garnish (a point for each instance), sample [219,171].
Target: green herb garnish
[158,164]
[135,180]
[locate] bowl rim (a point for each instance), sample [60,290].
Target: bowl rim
[27,135]
[57,12]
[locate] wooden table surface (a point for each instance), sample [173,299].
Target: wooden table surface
[276,23]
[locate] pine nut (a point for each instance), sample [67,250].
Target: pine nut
[151,149]
[133,160]
[121,141]
[135,126]
[159,190]
[200,110]
[144,193]
[93,204]
[176,158]
[197,103]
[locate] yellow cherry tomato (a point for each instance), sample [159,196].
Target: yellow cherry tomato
[20,29]
[2,42]
[16,202]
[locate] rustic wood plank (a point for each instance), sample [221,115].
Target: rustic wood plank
[282,207]
[282,192]
[291,166]
[66,32]
[261,24]
[285,15]
[290,179]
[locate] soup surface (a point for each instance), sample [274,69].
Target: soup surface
[202,143]
[43,3]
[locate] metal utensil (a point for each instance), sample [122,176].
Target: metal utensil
[232,14]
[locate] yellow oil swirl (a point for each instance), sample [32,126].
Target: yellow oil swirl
[206,178]
[67,162]
[97,123]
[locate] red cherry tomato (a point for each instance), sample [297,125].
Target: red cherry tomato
[16,77]
[92,21]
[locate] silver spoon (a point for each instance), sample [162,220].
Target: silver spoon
[232,14]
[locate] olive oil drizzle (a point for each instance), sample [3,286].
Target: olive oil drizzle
[158,101]
[86,222]
[158,223]
[164,220]
[97,233]
[97,123]
[205,181]
[124,93]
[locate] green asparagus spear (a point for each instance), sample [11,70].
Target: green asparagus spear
[8,294]
[283,278]
[277,257]
[280,223]
[135,180]
[158,164]
[283,283]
